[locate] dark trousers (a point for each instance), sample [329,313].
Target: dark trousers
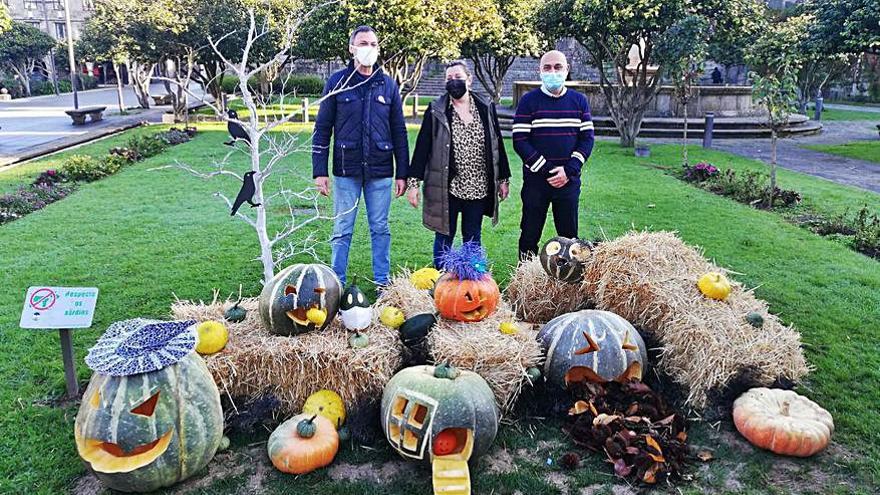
[537,197]
[471,212]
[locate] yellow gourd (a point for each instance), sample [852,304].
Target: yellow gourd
[424,278]
[391,317]
[212,337]
[328,404]
[714,285]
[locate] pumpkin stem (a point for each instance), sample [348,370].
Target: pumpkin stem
[312,419]
[236,303]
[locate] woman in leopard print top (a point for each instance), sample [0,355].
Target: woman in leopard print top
[460,156]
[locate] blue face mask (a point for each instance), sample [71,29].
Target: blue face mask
[553,80]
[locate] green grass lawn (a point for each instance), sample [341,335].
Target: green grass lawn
[862,150]
[837,114]
[145,236]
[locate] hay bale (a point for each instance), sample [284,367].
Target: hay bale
[480,347]
[538,298]
[651,280]
[255,362]
[401,293]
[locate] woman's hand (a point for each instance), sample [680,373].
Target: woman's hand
[413,196]
[503,190]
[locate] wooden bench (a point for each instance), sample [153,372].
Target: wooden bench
[162,99]
[79,115]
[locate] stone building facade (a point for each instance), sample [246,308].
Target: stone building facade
[48,15]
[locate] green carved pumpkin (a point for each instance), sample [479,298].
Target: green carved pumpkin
[287,298]
[592,345]
[418,406]
[150,430]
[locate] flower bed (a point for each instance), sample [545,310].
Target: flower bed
[53,185]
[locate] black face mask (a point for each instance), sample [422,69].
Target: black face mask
[456,88]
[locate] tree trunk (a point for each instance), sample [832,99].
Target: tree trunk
[119,96]
[684,141]
[772,191]
[140,77]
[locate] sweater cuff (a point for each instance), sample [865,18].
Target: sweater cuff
[573,168]
[536,166]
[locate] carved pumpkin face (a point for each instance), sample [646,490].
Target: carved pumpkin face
[564,259]
[355,309]
[150,430]
[286,300]
[466,300]
[592,345]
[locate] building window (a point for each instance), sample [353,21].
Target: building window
[60,30]
[34,24]
[58,4]
[31,5]
[89,4]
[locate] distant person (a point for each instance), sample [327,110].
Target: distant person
[366,114]
[460,157]
[716,76]
[553,134]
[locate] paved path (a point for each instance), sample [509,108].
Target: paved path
[33,126]
[792,155]
[854,108]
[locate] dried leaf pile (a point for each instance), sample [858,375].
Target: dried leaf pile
[633,426]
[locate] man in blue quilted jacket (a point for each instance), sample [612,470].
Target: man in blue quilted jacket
[363,113]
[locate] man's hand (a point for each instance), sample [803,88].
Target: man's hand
[503,190]
[558,179]
[323,185]
[413,197]
[400,187]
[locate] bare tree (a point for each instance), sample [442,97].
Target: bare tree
[267,146]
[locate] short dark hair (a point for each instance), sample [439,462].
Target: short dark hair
[358,30]
[459,63]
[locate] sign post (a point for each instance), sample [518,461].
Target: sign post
[62,308]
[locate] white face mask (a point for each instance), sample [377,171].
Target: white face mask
[366,55]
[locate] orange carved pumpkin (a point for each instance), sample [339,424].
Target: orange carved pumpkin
[466,300]
[782,422]
[299,449]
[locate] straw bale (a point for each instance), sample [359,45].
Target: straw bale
[402,294]
[255,362]
[538,298]
[651,280]
[480,347]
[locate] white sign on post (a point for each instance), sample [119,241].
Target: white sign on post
[59,307]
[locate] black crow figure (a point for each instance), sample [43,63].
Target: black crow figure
[246,193]
[236,131]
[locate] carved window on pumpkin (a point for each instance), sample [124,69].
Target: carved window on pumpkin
[409,422]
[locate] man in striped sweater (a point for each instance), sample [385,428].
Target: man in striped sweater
[553,134]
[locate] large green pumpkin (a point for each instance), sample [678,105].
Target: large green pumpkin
[287,298]
[592,345]
[422,403]
[150,430]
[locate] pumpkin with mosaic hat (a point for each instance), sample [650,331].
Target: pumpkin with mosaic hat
[151,415]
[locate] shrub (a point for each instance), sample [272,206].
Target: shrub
[174,136]
[87,81]
[700,172]
[867,235]
[84,168]
[39,88]
[302,84]
[12,85]
[748,187]
[30,198]
[145,146]
[229,84]
[49,177]
[128,154]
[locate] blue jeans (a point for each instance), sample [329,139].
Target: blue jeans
[471,212]
[346,201]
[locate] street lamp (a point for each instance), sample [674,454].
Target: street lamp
[73,73]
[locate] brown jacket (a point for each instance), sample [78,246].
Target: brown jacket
[433,161]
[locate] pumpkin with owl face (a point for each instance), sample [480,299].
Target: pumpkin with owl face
[299,299]
[466,292]
[592,345]
[564,259]
[151,415]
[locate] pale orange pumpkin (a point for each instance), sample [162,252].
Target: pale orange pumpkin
[293,453]
[782,422]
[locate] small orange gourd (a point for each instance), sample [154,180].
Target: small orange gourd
[293,453]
